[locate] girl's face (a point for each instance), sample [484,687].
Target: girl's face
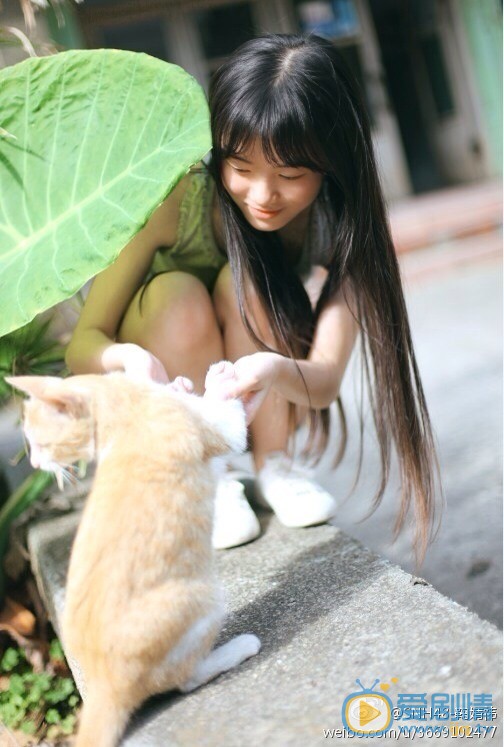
[269,196]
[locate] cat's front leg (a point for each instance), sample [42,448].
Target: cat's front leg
[223,658]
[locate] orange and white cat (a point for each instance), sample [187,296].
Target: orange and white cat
[143,605]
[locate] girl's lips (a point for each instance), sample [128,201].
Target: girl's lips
[264,213]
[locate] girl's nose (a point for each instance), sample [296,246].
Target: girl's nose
[262,193]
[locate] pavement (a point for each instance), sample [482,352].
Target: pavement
[433,218]
[453,293]
[455,308]
[328,611]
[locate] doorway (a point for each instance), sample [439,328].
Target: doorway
[405,50]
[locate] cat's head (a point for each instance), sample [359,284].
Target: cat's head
[58,421]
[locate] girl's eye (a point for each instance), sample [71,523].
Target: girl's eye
[239,170]
[291,178]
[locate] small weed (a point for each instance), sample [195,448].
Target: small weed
[39,704]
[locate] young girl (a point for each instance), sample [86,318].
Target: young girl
[274,258]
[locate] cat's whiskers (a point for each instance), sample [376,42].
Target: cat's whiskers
[64,475]
[59,478]
[71,474]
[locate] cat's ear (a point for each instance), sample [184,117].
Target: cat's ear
[55,391]
[35,386]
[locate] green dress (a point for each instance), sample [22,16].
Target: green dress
[195,250]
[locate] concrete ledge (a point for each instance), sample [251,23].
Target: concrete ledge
[433,217]
[327,611]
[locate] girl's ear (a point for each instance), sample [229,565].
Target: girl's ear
[55,391]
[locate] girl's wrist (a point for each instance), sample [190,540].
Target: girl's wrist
[278,369]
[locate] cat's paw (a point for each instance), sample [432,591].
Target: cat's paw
[220,380]
[248,645]
[181,385]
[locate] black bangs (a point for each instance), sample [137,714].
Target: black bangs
[277,121]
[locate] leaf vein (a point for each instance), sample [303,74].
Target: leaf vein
[170,121]
[86,132]
[9,230]
[118,123]
[55,138]
[118,207]
[25,141]
[140,135]
[97,193]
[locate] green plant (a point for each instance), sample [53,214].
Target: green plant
[29,8]
[33,487]
[42,704]
[92,142]
[13,36]
[29,350]
[4,487]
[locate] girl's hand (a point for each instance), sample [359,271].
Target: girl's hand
[135,362]
[250,378]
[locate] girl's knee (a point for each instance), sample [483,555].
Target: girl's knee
[174,306]
[224,297]
[227,308]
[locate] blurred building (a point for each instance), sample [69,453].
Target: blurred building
[431,70]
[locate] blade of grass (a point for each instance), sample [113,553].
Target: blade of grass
[26,494]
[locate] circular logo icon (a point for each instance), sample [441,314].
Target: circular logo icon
[367,713]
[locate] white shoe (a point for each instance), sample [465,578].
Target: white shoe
[297,500]
[234,521]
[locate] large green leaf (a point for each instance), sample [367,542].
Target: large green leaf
[92,143]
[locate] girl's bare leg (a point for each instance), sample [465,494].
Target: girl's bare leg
[269,429]
[297,500]
[176,322]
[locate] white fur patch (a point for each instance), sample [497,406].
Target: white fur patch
[194,636]
[228,418]
[223,658]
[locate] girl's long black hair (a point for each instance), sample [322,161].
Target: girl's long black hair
[295,96]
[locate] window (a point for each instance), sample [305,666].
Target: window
[436,74]
[138,36]
[223,29]
[336,20]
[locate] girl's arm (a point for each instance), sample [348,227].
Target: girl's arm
[92,348]
[256,374]
[325,366]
